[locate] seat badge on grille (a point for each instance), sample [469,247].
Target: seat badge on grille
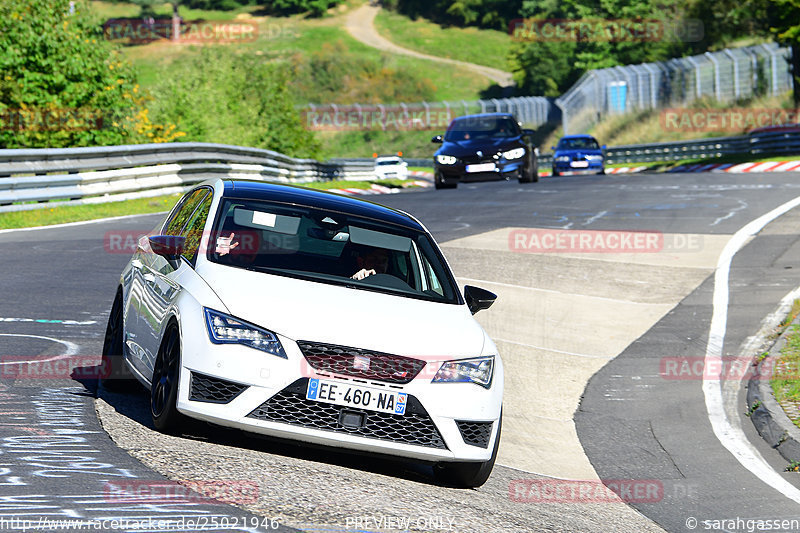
[360,362]
[480,153]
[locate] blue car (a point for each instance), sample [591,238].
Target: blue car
[578,153]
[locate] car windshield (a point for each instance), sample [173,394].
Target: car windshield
[388,162]
[330,247]
[584,143]
[483,127]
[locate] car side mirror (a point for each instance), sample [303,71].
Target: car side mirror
[603,147]
[527,132]
[553,148]
[437,139]
[478,299]
[168,246]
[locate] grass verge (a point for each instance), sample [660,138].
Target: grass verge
[61,214]
[785,384]
[473,45]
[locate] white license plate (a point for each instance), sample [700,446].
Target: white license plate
[579,164]
[339,393]
[482,167]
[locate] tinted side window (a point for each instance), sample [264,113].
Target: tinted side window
[194,229]
[184,212]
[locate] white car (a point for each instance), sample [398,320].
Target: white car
[391,167]
[311,316]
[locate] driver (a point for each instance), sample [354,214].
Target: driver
[376,261]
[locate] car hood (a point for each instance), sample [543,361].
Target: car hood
[488,146]
[318,312]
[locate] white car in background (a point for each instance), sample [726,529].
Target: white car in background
[310,316]
[391,167]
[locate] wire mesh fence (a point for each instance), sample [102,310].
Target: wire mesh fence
[533,111]
[725,76]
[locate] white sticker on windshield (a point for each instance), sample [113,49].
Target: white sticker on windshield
[264,219]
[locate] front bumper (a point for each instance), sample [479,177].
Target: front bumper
[239,387]
[459,172]
[593,166]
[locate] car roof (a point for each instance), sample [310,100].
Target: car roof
[578,136]
[293,194]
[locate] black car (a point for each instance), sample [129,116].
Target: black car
[485,146]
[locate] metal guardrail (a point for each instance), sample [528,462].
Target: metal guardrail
[104,174]
[29,179]
[773,140]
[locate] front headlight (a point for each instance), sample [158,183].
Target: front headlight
[516,153]
[594,157]
[446,159]
[467,371]
[563,158]
[224,329]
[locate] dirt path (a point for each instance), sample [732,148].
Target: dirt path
[360,25]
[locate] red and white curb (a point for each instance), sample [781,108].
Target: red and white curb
[378,189]
[615,170]
[625,170]
[767,166]
[421,173]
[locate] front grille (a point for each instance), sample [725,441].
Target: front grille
[290,406]
[475,433]
[209,389]
[365,364]
[474,158]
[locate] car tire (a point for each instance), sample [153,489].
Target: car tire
[439,183]
[555,173]
[114,372]
[602,171]
[531,177]
[164,385]
[468,475]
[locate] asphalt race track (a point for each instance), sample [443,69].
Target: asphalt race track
[585,334]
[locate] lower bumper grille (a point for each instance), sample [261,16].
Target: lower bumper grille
[290,406]
[203,388]
[475,433]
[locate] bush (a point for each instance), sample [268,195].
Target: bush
[62,84]
[333,74]
[218,95]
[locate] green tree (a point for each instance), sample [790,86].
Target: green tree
[61,83]
[548,64]
[495,14]
[784,24]
[219,95]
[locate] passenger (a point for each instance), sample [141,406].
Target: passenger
[376,261]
